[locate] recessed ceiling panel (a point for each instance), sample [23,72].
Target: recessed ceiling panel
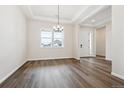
[67,12]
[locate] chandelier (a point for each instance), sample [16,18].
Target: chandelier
[58,27]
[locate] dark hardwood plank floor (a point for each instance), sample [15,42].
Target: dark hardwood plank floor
[64,73]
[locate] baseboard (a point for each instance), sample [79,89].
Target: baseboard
[91,56]
[76,58]
[108,60]
[33,59]
[100,56]
[117,75]
[9,74]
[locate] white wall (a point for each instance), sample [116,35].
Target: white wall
[108,41]
[34,49]
[12,40]
[100,41]
[76,47]
[118,41]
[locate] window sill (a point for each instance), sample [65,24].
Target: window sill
[52,47]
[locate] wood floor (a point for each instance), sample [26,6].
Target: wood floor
[64,73]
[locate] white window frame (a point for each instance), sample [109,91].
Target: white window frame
[52,46]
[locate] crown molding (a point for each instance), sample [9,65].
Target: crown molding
[90,12]
[87,25]
[80,13]
[27,11]
[98,24]
[84,14]
[102,23]
[50,19]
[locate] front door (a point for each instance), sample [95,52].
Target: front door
[85,43]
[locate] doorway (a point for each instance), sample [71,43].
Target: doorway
[101,42]
[86,43]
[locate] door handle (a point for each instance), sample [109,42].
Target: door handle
[81,45]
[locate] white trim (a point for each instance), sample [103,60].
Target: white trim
[117,75]
[103,23]
[84,14]
[88,56]
[30,59]
[90,12]
[80,13]
[27,11]
[9,74]
[30,11]
[86,25]
[77,58]
[98,24]
[34,17]
[14,70]
[50,19]
[108,59]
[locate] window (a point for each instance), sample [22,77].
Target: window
[51,39]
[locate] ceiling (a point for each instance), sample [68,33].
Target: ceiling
[99,18]
[81,14]
[67,12]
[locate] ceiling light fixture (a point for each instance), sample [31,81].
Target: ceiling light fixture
[58,28]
